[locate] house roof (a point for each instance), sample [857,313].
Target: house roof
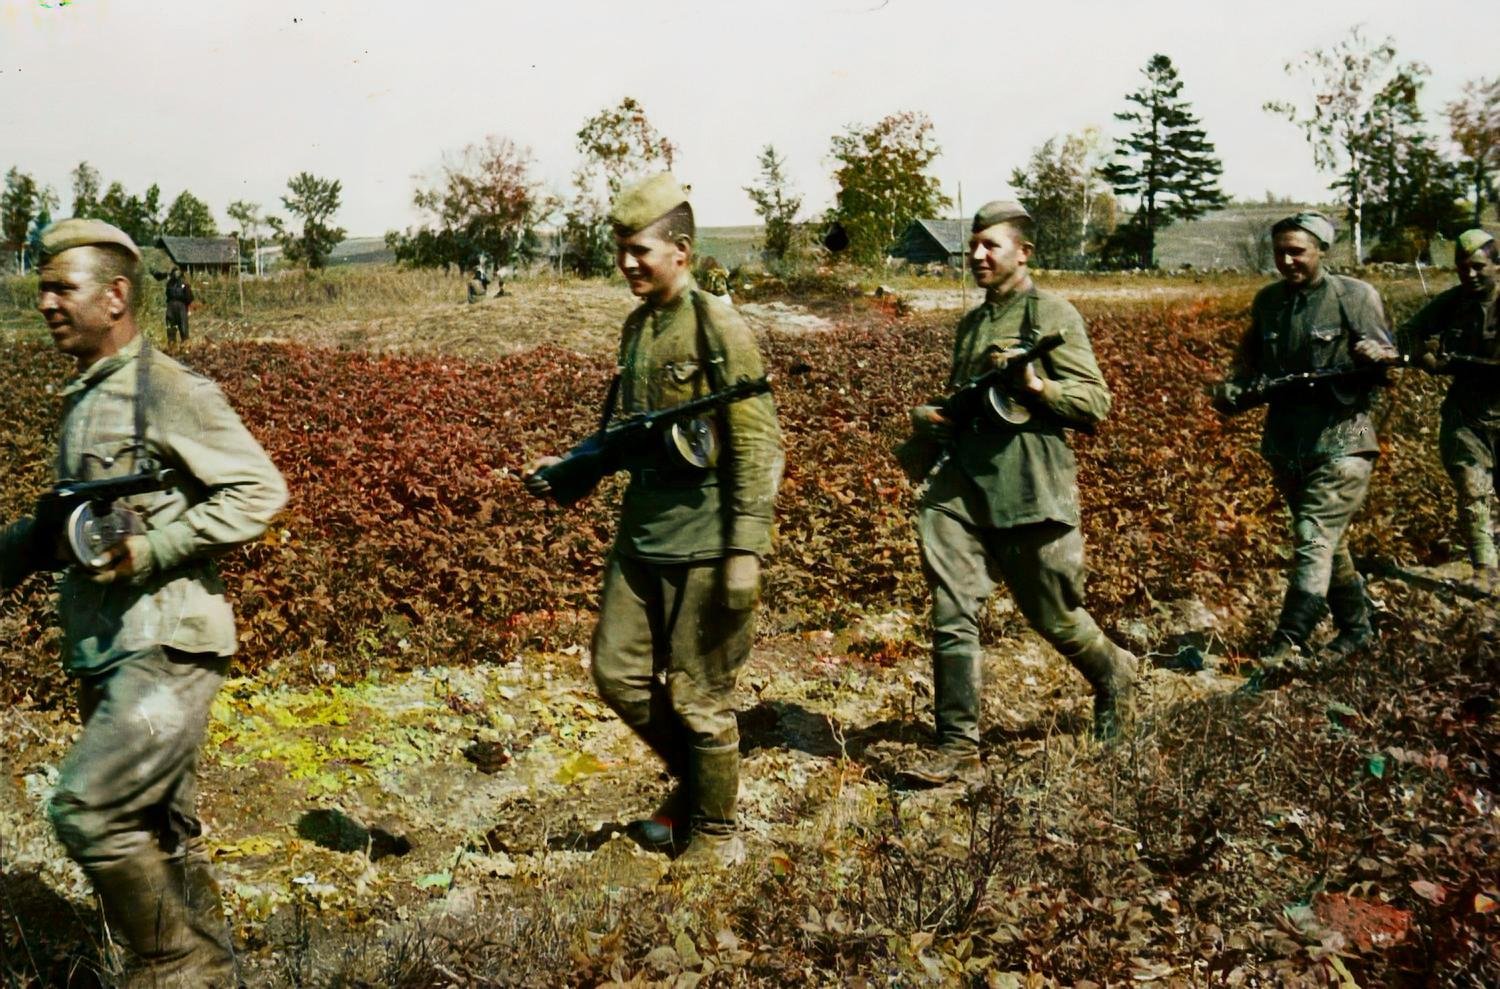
[949,234]
[200,250]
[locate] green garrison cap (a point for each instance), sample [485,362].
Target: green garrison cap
[998,211]
[642,203]
[1314,223]
[1472,240]
[76,232]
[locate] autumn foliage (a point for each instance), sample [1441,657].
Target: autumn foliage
[409,540]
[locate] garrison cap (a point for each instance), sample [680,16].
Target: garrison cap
[77,232]
[642,203]
[1472,240]
[998,211]
[1315,223]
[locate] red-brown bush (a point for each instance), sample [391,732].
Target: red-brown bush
[409,539]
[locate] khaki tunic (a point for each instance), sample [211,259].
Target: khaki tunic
[230,492]
[998,478]
[672,519]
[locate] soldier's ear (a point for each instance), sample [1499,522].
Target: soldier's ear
[119,296]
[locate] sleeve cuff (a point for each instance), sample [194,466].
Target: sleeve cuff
[1051,393]
[169,546]
[749,536]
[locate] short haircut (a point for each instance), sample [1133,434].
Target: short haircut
[1290,223]
[1024,227]
[1490,249]
[110,261]
[675,224]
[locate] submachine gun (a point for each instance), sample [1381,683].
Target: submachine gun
[1262,389]
[991,395]
[88,517]
[680,432]
[1468,366]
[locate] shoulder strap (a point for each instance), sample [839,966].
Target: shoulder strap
[1031,331]
[610,398]
[708,343]
[142,387]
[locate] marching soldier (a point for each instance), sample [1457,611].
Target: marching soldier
[1002,504]
[676,616]
[1318,438]
[1462,323]
[147,631]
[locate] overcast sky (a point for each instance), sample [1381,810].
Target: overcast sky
[231,97]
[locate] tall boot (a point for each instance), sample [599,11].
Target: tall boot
[715,843]
[1111,671]
[1289,653]
[144,906]
[1351,613]
[214,950]
[955,710]
[667,827]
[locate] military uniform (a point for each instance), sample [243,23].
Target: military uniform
[1459,322]
[1003,505]
[149,653]
[1319,441]
[477,287]
[179,297]
[668,649]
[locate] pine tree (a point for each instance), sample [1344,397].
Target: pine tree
[1166,162]
[775,202]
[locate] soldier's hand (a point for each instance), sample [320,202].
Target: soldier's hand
[1432,359]
[1374,351]
[741,581]
[928,421]
[1225,397]
[126,561]
[531,476]
[1023,376]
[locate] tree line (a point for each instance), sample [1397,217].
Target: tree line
[483,204]
[26,208]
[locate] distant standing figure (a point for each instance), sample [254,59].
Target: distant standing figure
[478,285]
[179,297]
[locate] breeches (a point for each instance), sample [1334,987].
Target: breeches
[1322,497]
[1042,564]
[667,653]
[130,782]
[1468,453]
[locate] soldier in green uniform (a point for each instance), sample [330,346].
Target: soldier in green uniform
[1463,322]
[1003,502]
[676,616]
[1318,439]
[147,631]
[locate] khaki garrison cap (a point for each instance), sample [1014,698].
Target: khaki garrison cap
[642,203]
[998,211]
[74,232]
[1472,240]
[1314,223]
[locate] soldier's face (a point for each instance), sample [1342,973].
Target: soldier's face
[1298,257]
[79,309]
[997,256]
[651,264]
[1477,273]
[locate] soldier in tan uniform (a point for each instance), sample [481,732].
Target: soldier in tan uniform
[676,616]
[147,631]
[1002,504]
[1464,322]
